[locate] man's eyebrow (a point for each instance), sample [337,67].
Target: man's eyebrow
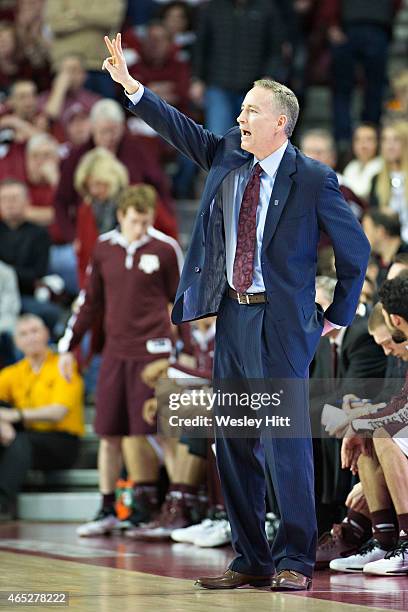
[250,106]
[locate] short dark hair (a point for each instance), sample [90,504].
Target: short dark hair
[177,4]
[393,295]
[400,258]
[6,182]
[368,125]
[389,221]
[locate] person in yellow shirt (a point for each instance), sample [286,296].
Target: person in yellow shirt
[42,424]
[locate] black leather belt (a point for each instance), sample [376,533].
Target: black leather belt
[248,298]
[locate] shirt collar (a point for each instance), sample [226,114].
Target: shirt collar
[338,340]
[271,163]
[118,238]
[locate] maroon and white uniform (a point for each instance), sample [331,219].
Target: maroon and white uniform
[132,284]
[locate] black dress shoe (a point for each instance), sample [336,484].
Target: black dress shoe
[233,580]
[289,580]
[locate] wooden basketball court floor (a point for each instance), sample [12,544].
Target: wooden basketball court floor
[116,575]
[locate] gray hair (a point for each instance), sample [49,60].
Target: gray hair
[326,284]
[319,133]
[107,109]
[284,101]
[38,140]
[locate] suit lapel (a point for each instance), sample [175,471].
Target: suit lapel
[282,186]
[233,158]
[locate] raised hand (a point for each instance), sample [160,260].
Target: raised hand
[116,65]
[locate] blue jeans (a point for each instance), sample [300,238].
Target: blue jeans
[63,261]
[222,108]
[366,45]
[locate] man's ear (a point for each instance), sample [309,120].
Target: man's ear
[282,121]
[396,320]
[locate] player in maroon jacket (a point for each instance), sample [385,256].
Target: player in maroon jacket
[132,278]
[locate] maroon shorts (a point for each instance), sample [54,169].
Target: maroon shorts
[120,396]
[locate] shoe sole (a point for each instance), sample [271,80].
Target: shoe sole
[283,588]
[348,570]
[254,583]
[390,573]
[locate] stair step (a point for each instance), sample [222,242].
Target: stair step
[58,507]
[65,478]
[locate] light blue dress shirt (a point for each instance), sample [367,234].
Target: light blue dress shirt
[232,190]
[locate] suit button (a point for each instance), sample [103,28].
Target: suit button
[197,269]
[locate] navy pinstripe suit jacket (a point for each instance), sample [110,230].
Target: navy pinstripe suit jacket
[308,200]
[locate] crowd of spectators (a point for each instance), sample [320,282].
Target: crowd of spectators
[69,151]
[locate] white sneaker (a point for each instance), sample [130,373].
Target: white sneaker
[395,562]
[271,526]
[368,553]
[189,534]
[217,534]
[103,524]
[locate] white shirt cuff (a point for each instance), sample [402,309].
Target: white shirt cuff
[334,325]
[136,97]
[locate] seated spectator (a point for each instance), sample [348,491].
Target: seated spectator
[42,427]
[320,145]
[20,114]
[350,359]
[160,67]
[108,131]
[42,176]
[177,19]
[79,29]
[383,230]
[345,538]
[25,247]
[383,469]
[158,64]
[359,173]
[77,128]
[10,305]
[67,89]
[99,179]
[389,189]
[19,120]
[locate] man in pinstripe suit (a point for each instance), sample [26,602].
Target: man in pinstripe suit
[252,261]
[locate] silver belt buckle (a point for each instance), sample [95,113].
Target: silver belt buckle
[244,297]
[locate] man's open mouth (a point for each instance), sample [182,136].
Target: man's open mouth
[245,133]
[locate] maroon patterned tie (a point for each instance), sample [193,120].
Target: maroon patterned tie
[243,270]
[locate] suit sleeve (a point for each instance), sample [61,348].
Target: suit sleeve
[351,250]
[191,139]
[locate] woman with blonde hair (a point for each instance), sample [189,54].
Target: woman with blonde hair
[99,179]
[390,186]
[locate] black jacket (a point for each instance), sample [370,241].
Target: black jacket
[237,44]
[25,249]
